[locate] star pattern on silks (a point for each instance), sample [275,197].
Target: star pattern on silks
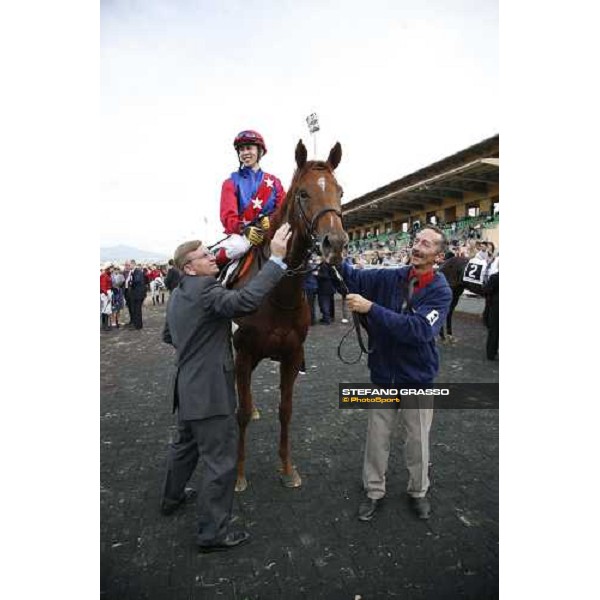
[269,182]
[257,203]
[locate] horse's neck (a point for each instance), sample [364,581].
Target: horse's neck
[298,252]
[298,249]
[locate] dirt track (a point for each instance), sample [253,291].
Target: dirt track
[306,543]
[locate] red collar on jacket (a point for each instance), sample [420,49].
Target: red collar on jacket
[422,280]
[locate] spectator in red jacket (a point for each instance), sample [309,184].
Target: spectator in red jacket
[105,296]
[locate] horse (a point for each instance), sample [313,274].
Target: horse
[454,270]
[278,328]
[157,287]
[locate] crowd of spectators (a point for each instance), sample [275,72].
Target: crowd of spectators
[128,285]
[320,284]
[462,234]
[384,256]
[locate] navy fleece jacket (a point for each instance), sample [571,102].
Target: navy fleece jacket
[403,339]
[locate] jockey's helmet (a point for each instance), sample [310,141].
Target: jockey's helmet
[248,136]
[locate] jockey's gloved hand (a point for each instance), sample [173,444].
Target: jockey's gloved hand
[265,223]
[255,235]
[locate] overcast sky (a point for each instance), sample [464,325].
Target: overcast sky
[400,83]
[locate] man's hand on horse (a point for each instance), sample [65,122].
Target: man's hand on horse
[265,223]
[356,303]
[255,235]
[280,241]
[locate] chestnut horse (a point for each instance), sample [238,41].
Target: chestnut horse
[278,328]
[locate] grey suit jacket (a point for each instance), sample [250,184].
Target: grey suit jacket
[198,325]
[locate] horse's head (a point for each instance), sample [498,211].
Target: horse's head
[314,205]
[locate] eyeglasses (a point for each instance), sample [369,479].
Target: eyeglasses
[205,255]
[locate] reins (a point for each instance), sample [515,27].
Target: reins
[358,320]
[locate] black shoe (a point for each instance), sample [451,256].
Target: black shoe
[420,506]
[367,508]
[168,506]
[231,540]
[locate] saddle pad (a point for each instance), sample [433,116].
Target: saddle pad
[474,271]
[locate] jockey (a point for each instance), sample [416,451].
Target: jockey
[248,197]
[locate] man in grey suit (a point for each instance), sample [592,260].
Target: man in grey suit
[198,325]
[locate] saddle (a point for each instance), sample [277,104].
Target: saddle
[236,270]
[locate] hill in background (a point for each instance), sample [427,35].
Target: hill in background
[122,253]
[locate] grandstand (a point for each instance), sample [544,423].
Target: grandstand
[459,193]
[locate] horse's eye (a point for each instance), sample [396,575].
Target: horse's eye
[341,192]
[304,195]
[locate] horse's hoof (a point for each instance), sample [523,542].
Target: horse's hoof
[293,480]
[241,484]
[453,339]
[255,414]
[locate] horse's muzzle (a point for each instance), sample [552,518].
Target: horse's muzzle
[332,244]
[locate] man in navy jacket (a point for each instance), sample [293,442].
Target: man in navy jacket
[405,309]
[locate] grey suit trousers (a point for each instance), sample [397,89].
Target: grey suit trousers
[213,441]
[416,424]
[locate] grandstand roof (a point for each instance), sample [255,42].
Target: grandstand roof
[470,170]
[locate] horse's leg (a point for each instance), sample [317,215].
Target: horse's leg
[447,328]
[449,317]
[243,376]
[456,294]
[443,329]
[485,317]
[290,366]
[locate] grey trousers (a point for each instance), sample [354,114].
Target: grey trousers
[214,441]
[416,424]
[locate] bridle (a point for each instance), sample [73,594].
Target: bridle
[299,196]
[309,230]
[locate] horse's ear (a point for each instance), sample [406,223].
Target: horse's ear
[301,154]
[335,156]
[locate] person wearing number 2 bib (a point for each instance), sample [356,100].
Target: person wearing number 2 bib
[248,197]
